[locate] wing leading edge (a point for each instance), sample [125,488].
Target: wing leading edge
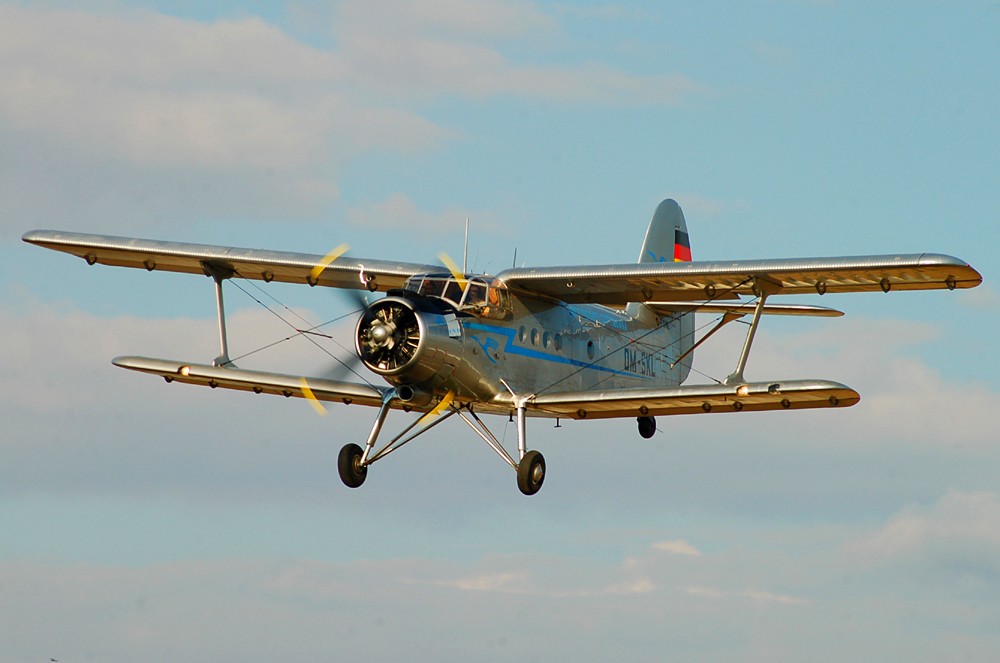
[257,264]
[650,282]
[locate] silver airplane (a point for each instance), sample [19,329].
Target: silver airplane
[583,342]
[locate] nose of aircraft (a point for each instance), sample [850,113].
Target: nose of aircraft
[380,334]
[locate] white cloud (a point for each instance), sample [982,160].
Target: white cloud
[677,548]
[131,118]
[960,534]
[747,594]
[422,50]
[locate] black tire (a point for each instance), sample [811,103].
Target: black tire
[531,473]
[647,426]
[352,473]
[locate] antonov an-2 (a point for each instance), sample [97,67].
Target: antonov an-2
[584,342]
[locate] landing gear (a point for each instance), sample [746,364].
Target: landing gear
[354,460]
[647,426]
[531,472]
[352,472]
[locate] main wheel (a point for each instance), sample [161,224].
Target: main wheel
[647,426]
[352,472]
[531,473]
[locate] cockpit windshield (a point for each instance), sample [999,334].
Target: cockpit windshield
[474,293]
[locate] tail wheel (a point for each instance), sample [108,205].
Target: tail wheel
[531,473]
[647,426]
[352,472]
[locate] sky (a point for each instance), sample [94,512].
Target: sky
[141,521]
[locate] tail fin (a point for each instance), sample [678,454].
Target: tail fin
[667,240]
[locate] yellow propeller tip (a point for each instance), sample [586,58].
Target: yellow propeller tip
[311,397]
[327,259]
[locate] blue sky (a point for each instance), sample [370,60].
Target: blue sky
[145,521]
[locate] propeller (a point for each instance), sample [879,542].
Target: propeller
[388,336]
[440,407]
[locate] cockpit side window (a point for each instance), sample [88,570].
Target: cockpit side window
[453,291]
[475,294]
[432,287]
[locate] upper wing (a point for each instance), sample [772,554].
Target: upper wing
[639,282]
[247,263]
[695,399]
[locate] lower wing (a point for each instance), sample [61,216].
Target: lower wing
[259,382]
[695,399]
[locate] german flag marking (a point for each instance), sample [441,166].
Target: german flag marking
[682,246]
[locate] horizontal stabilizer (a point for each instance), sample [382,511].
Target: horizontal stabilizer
[696,399]
[744,307]
[259,382]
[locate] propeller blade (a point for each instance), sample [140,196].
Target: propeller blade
[311,397]
[453,268]
[356,298]
[327,259]
[440,407]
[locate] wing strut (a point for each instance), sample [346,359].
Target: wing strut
[764,288]
[220,273]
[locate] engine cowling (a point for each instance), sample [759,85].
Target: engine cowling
[406,343]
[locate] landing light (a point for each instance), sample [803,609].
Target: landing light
[743,390]
[185,371]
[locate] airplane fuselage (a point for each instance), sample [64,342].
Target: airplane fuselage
[535,346]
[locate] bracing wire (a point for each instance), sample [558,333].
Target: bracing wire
[307,333]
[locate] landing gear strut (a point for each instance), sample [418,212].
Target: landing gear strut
[354,460]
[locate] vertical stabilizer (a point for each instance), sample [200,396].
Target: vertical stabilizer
[667,237]
[667,240]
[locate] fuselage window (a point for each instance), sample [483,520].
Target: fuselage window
[557,342]
[534,337]
[520,334]
[546,341]
[590,349]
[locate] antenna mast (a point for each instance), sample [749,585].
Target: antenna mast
[465,254]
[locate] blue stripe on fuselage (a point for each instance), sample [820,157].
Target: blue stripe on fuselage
[511,348]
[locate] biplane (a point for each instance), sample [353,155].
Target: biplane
[579,342]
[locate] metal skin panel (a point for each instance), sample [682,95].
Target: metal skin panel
[618,284]
[257,264]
